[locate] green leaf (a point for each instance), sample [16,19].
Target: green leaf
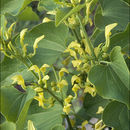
[58,127]
[9,66]
[81,116]
[13,6]
[112,81]
[91,105]
[47,119]
[121,39]
[51,47]
[28,14]
[114,11]
[47,5]
[116,115]
[15,104]
[63,13]
[7,126]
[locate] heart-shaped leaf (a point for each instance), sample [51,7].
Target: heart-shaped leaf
[112,79]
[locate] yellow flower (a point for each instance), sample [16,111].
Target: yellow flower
[67,109]
[51,12]
[37,70]
[61,72]
[45,78]
[11,28]
[90,90]
[35,45]
[84,123]
[75,78]
[24,49]
[76,63]
[76,46]
[40,98]
[75,89]
[100,110]
[46,20]
[68,99]
[19,80]
[38,89]
[62,83]
[72,52]
[30,125]
[22,34]
[87,49]
[108,29]
[43,68]
[99,125]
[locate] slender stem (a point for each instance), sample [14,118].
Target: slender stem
[69,123]
[25,63]
[75,34]
[55,73]
[86,37]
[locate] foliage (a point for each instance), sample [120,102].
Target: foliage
[55,74]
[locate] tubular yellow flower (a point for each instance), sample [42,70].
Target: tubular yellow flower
[90,90]
[37,70]
[10,29]
[72,53]
[22,34]
[19,80]
[108,29]
[24,50]
[84,123]
[75,89]
[76,63]
[67,109]
[51,12]
[100,110]
[61,72]
[43,68]
[99,125]
[40,98]
[46,20]
[45,78]
[35,45]
[38,89]
[75,78]
[62,83]
[74,44]
[30,125]
[68,99]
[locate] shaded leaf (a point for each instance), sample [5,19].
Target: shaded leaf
[47,5]
[28,14]
[121,39]
[13,6]
[49,48]
[7,126]
[15,104]
[112,81]
[116,115]
[91,105]
[58,127]
[114,11]
[47,119]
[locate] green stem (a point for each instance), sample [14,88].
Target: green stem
[55,73]
[75,34]
[69,123]
[86,37]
